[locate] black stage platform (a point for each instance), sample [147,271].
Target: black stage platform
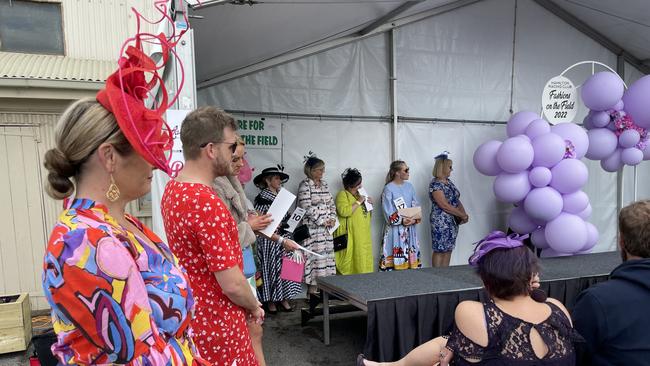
[408,308]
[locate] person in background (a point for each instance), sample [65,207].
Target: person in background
[232,195]
[320,217]
[612,316]
[401,248]
[514,326]
[356,219]
[103,269]
[270,251]
[204,236]
[447,212]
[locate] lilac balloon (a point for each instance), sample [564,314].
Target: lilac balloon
[540,176]
[646,153]
[602,143]
[631,156]
[602,91]
[613,162]
[586,213]
[629,138]
[537,127]
[586,122]
[569,175]
[576,135]
[600,119]
[511,188]
[636,102]
[592,237]
[550,253]
[567,233]
[519,222]
[549,149]
[519,121]
[515,154]
[485,158]
[619,105]
[543,204]
[538,239]
[575,202]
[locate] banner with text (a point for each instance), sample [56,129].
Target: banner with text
[260,132]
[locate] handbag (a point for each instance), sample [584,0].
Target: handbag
[341,235]
[293,267]
[413,213]
[249,262]
[301,233]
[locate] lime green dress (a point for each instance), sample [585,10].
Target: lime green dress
[357,257]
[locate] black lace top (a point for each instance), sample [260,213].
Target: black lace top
[509,341]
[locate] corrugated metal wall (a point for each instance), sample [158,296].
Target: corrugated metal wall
[96,29]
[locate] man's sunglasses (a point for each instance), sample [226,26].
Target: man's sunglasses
[232,146]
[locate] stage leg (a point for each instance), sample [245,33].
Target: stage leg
[326,317]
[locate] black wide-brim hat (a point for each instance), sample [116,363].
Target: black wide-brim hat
[269,172]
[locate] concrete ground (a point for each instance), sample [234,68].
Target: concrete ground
[288,343]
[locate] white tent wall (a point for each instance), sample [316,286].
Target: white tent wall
[454,66]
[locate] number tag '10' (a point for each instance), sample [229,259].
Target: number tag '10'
[295,219]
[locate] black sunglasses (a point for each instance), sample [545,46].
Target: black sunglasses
[232,145]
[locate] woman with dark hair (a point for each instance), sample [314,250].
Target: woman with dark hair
[320,217]
[517,325]
[354,221]
[401,248]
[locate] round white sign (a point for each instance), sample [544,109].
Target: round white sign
[559,100]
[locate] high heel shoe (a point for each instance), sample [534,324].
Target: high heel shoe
[360,359]
[285,309]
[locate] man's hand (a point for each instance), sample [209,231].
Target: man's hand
[259,222]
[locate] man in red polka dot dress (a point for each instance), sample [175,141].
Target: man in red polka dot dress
[203,235]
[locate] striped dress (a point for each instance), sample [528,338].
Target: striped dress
[270,255]
[319,204]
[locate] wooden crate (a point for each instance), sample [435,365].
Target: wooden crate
[15,324]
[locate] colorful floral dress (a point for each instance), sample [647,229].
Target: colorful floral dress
[203,234]
[319,206]
[401,248]
[115,298]
[444,227]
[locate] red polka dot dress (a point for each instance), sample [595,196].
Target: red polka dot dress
[203,235]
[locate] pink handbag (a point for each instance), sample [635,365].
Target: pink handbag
[293,269]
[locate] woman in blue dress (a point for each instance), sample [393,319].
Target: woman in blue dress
[401,248]
[447,212]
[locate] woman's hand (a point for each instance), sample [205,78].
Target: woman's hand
[464,219]
[369,199]
[259,222]
[330,223]
[290,245]
[407,221]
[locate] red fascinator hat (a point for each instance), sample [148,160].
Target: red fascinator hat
[127,89]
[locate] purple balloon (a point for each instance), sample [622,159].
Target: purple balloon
[600,119]
[586,122]
[549,149]
[567,233]
[636,102]
[646,153]
[619,105]
[575,202]
[569,175]
[550,253]
[515,154]
[592,237]
[613,162]
[485,158]
[540,176]
[519,121]
[602,91]
[631,156]
[576,135]
[511,188]
[602,143]
[519,222]
[586,213]
[629,138]
[538,238]
[537,127]
[543,204]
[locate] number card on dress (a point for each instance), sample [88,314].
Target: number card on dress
[278,209]
[336,226]
[295,219]
[363,192]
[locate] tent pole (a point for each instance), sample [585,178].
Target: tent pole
[393,93]
[620,182]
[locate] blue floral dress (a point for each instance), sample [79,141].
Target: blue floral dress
[444,227]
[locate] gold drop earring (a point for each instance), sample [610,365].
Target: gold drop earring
[113,193]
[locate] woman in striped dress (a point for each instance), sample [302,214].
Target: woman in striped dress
[320,217]
[270,251]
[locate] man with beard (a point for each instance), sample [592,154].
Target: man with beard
[203,234]
[613,316]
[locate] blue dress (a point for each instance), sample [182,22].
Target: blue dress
[401,248]
[444,227]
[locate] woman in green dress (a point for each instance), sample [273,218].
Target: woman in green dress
[354,219]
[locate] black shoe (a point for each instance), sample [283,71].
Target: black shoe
[269,311]
[360,359]
[286,310]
